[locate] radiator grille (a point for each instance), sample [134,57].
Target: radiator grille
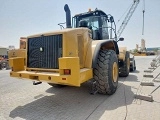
[44,51]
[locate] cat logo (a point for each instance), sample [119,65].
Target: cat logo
[41,49]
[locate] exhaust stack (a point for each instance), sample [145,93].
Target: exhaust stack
[68,16]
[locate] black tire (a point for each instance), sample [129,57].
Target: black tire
[134,65]
[56,85]
[133,68]
[106,81]
[124,70]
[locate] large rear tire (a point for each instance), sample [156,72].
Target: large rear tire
[124,70]
[106,72]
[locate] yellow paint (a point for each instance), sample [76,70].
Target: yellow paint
[77,43]
[71,63]
[115,72]
[77,76]
[17,64]
[16,53]
[109,45]
[88,56]
[122,53]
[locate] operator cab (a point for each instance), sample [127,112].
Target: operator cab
[101,25]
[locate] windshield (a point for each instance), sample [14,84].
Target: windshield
[92,21]
[96,23]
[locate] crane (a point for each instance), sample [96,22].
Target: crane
[143,11]
[127,18]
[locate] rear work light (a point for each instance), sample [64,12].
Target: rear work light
[67,71]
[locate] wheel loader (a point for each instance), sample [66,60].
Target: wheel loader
[85,50]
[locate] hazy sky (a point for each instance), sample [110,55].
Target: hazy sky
[21,18]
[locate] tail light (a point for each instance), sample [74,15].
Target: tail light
[67,71]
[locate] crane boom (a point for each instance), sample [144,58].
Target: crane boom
[127,18]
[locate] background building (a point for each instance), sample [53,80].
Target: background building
[137,46]
[153,49]
[3,51]
[143,46]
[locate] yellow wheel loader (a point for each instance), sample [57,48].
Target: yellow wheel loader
[85,50]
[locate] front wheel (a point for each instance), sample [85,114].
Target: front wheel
[106,72]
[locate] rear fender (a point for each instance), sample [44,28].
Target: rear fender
[104,45]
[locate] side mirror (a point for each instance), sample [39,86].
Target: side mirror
[121,39]
[111,19]
[90,27]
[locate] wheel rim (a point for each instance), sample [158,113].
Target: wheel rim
[128,64]
[115,72]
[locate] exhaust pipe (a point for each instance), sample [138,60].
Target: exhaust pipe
[68,16]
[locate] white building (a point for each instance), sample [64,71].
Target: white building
[3,51]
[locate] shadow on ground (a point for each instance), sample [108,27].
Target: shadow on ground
[71,103]
[136,71]
[130,78]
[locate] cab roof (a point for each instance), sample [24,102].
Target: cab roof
[90,13]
